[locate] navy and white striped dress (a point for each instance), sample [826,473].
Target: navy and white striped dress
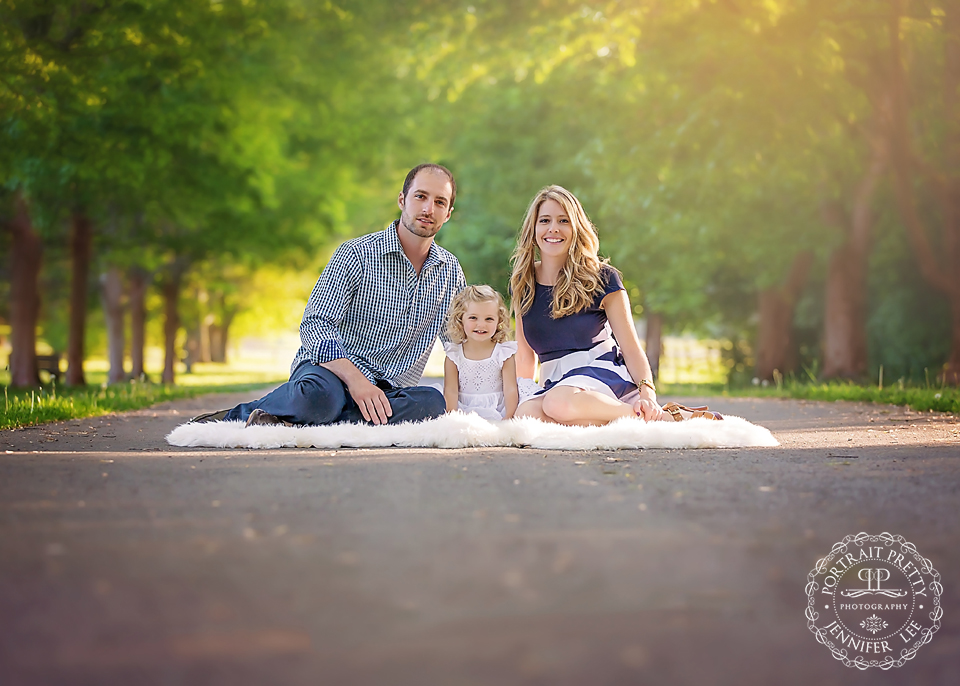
[579,350]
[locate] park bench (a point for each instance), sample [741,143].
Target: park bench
[47,363]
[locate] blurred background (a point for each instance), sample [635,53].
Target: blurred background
[778,180]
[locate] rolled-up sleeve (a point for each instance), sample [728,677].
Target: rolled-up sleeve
[327,306]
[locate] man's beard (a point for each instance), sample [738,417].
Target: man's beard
[416,229]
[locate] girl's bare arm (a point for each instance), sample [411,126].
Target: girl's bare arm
[451,384]
[511,394]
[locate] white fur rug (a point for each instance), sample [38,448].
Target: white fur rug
[458,430]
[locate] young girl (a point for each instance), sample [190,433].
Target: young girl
[573,313]
[480,372]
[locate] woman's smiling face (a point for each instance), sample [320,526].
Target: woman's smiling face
[554,231]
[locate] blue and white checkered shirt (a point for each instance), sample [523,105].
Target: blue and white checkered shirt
[371,307]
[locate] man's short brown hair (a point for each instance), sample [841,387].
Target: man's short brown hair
[412,174]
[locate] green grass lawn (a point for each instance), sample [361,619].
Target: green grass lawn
[919,398]
[52,403]
[24,408]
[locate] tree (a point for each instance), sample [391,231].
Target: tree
[158,113]
[111,298]
[929,167]
[26,254]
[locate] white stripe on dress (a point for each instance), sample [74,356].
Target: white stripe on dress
[574,369]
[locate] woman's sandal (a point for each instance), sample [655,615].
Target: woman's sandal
[682,412]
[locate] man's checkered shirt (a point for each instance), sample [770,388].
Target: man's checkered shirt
[371,307]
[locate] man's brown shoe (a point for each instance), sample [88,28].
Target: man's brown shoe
[217,416]
[260,418]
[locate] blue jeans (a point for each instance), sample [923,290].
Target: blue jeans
[315,395]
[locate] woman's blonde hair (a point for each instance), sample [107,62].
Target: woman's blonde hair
[579,279]
[476,294]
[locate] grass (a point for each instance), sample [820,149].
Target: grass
[916,397]
[50,403]
[25,408]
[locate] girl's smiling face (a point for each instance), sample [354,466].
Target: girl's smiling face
[480,320]
[554,231]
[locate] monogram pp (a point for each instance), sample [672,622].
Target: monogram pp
[873,601]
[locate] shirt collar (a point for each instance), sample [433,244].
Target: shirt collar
[391,243]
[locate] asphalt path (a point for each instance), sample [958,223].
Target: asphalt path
[126,561]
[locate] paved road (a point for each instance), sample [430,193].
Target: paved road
[125,561]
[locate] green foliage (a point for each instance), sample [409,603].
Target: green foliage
[922,398]
[246,136]
[909,321]
[703,138]
[221,136]
[701,166]
[50,404]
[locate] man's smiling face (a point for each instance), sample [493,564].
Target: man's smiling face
[427,205]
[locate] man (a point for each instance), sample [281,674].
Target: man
[371,321]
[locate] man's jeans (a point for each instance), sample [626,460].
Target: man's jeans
[315,395]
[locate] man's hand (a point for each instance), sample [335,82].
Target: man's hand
[372,401]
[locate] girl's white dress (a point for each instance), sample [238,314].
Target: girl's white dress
[481,381]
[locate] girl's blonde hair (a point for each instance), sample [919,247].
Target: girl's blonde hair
[476,294]
[579,279]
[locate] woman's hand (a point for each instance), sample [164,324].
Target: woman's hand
[647,406]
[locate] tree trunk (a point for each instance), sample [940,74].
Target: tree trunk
[219,335]
[844,326]
[81,242]
[170,290]
[216,343]
[775,347]
[951,373]
[204,333]
[845,314]
[26,257]
[111,297]
[137,280]
[654,342]
[939,264]
[951,215]
[191,350]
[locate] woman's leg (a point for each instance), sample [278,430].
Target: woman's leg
[579,407]
[532,408]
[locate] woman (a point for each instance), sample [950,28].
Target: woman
[574,314]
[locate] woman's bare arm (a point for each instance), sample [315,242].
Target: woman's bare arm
[526,364]
[617,307]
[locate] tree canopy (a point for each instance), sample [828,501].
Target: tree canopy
[713,143]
